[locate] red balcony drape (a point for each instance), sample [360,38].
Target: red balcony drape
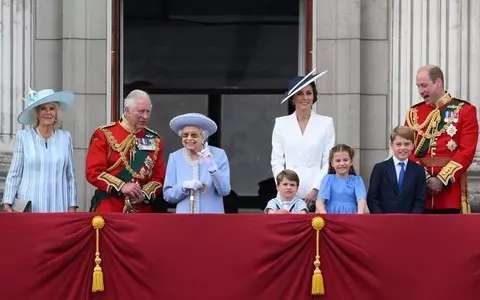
[240,257]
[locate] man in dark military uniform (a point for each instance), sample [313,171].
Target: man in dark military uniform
[446,135]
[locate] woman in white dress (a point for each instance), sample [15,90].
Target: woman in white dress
[42,169]
[301,141]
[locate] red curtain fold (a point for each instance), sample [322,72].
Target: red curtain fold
[240,257]
[46,255]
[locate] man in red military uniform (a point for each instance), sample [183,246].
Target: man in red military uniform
[446,135]
[124,160]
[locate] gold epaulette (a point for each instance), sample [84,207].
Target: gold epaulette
[411,111]
[464,101]
[107,125]
[100,128]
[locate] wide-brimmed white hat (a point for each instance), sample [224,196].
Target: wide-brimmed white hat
[299,82]
[34,99]
[193,119]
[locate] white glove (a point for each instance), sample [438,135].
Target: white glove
[208,158]
[193,184]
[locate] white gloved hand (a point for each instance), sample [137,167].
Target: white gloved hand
[193,184]
[208,158]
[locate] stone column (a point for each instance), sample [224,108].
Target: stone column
[445,33]
[374,62]
[84,69]
[338,51]
[352,43]
[15,66]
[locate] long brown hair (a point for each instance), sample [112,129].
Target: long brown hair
[341,148]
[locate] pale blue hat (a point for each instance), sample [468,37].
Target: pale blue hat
[193,119]
[34,99]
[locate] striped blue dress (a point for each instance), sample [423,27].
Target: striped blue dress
[42,171]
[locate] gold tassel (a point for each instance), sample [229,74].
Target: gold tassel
[97,285]
[317,280]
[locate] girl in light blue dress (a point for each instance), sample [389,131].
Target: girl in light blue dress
[341,190]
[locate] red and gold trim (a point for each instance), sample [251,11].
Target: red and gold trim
[448,172]
[443,100]
[111,181]
[427,175]
[150,188]
[127,126]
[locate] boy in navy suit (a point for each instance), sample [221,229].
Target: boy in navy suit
[398,185]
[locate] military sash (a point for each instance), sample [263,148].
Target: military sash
[137,167]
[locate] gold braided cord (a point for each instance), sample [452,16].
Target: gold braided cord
[412,120]
[124,147]
[114,166]
[433,120]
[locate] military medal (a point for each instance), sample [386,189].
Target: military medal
[447,116]
[454,117]
[451,145]
[451,130]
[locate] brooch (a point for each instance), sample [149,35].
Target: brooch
[451,130]
[451,145]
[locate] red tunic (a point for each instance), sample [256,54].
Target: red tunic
[115,156]
[446,137]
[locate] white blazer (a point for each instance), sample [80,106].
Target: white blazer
[305,154]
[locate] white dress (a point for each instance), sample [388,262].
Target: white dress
[42,171]
[307,153]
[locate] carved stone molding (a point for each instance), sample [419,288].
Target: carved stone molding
[15,65]
[444,33]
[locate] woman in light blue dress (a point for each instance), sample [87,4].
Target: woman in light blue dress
[198,175]
[42,168]
[341,190]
